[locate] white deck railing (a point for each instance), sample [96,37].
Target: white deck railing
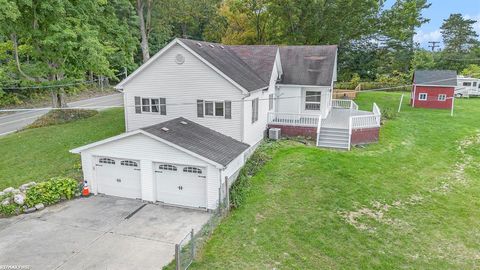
[344,104]
[293,119]
[367,121]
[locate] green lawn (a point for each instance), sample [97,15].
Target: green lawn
[410,201]
[40,153]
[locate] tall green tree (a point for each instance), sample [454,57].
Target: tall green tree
[458,34]
[59,40]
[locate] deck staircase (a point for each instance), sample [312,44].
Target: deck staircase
[336,138]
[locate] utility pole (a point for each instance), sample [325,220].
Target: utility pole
[434,45]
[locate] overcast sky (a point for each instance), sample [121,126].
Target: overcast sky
[440,10]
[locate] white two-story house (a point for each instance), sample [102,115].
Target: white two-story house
[196,110]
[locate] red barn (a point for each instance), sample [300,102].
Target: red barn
[433,89]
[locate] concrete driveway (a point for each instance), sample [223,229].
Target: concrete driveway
[94,233]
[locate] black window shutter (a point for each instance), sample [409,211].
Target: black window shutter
[138,108]
[228,110]
[163,106]
[199,108]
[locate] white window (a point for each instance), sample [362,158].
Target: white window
[422,96]
[219,109]
[313,100]
[474,84]
[107,161]
[270,102]
[467,84]
[145,105]
[192,170]
[254,110]
[214,108]
[167,167]
[129,163]
[442,97]
[154,105]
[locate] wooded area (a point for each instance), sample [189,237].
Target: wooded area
[66,42]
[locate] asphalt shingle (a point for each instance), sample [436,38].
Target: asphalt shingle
[435,77]
[198,139]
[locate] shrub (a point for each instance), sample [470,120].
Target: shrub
[9,210]
[52,191]
[241,186]
[389,113]
[56,117]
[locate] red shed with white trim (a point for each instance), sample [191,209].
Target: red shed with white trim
[433,89]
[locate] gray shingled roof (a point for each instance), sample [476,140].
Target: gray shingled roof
[225,59]
[308,65]
[435,77]
[251,65]
[199,139]
[260,58]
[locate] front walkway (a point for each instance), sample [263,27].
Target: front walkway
[339,118]
[93,233]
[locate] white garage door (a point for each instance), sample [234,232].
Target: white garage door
[118,177]
[181,185]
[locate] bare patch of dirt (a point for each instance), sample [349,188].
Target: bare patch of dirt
[376,211]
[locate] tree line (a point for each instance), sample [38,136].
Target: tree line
[48,42]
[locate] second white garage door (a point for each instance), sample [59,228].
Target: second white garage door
[118,177]
[181,185]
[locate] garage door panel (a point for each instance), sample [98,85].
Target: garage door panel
[118,177]
[181,185]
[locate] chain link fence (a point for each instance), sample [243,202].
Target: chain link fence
[186,248]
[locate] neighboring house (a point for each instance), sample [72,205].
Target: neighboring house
[467,86]
[433,89]
[196,110]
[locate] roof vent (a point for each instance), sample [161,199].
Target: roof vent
[199,44]
[183,122]
[221,46]
[211,45]
[165,129]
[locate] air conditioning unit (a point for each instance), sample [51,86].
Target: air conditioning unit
[274,133]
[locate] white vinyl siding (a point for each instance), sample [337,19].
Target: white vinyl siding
[254,110]
[147,151]
[293,99]
[254,132]
[270,102]
[183,84]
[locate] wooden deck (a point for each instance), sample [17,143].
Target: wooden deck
[339,118]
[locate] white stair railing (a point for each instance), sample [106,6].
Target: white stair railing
[364,121]
[319,128]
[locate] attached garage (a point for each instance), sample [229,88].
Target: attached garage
[178,162]
[181,184]
[118,177]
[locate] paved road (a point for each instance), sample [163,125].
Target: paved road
[13,122]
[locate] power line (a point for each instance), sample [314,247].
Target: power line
[49,86]
[434,45]
[195,103]
[61,85]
